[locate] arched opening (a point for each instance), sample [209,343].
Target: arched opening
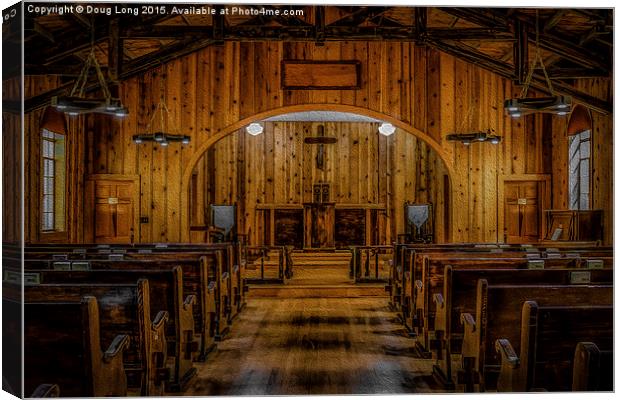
[579,132]
[269,177]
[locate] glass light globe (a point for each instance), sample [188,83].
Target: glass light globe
[254,129]
[386,129]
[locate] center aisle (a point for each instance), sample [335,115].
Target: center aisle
[314,346]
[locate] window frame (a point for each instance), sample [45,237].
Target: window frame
[578,136]
[52,137]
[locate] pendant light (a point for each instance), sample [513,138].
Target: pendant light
[553,104]
[160,137]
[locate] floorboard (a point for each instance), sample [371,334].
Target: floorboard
[314,346]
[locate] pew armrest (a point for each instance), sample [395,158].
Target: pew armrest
[438,299]
[468,321]
[509,376]
[116,348]
[160,319]
[189,301]
[507,353]
[46,390]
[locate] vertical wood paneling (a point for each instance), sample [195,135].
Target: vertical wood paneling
[217,86]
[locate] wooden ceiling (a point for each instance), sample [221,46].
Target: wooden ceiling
[575,43]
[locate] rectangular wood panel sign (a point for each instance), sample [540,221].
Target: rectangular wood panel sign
[320,75]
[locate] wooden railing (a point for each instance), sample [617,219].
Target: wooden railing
[258,255]
[366,263]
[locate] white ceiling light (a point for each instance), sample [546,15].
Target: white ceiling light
[254,129]
[387,129]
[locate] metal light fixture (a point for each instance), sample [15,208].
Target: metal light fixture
[160,137]
[254,129]
[554,104]
[163,139]
[76,103]
[387,129]
[469,138]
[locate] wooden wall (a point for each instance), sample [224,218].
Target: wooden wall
[277,168]
[75,164]
[430,91]
[11,166]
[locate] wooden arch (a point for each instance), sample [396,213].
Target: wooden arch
[230,129]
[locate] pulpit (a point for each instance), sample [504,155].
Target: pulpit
[319,219]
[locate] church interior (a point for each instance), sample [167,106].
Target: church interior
[227,200]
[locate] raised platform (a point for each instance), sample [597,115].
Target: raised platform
[319,273]
[317,291]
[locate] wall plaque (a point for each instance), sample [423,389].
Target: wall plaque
[321,75]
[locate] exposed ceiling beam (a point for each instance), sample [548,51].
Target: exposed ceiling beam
[479,16]
[360,16]
[507,71]
[520,52]
[554,20]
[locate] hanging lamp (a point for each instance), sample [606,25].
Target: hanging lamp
[554,104]
[160,137]
[76,103]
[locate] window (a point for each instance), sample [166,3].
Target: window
[579,171]
[52,181]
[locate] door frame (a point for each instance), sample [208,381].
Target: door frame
[544,201]
[89,203]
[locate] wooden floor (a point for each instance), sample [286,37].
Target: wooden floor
[314,346]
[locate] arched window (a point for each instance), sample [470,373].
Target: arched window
[579,150]
[53,172]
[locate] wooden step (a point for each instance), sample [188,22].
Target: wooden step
[319,263]
[318,291]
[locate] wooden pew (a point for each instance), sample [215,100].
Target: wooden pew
[123,309]
[549,336]
[432,280]
[200,278]
[415,293]
[498,312]
[592,368]
[63,345]
[459,296]
[166,294]
[46,390]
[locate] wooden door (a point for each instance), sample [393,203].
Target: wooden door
[114,211]
[522,211]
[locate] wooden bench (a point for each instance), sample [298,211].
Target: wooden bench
[123,309]
[549,337]
[432,280]
[459,296]
[498,314]
[202,277]
[63,346]
[166,294]
[592,368]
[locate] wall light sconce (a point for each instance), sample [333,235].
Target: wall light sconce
[254,129]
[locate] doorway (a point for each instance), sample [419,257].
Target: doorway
[523,211]
[112,211]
